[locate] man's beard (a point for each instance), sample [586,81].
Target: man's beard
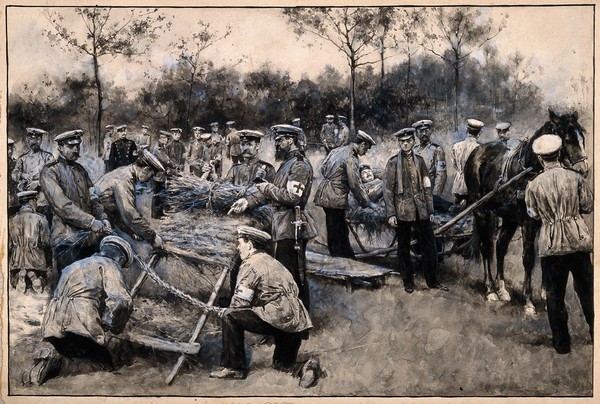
[34,147]
[279,154]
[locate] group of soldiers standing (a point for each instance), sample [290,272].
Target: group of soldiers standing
[271,293]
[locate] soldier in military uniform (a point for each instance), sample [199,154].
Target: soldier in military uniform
[89,306]
[434,156]
[13,199]
[29,165]
[107,143]
[340,177]
[176,150]
[216,148]
[265,301]
[502,129]
[196,148]
[159,181]
[232,143]
[460,153]
[328,134]
[408,205]
[343,132]
[143,139]
[116,191]
[302,141]
[29,242]
[123,151]
[251,166]
[290,188]
[78,218]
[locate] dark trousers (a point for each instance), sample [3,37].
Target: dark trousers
[555,273]
[426,241]
[158,200]
[75,346]
[338,239]
[288,256]
[236,321]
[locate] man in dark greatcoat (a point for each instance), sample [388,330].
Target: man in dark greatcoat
[176,150]
[340,177]
[123,151]
[290,189]
[78,218]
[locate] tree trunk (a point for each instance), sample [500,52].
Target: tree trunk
[97,136]
[189,102]
[456,93]
[382,57]
[352,96]
[407,89]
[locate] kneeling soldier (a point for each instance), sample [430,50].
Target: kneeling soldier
[89,305]
[266,302]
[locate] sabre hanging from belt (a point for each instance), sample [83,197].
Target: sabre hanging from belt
[297,246]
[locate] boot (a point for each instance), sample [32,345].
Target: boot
[21,285]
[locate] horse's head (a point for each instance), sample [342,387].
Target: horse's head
[573,137]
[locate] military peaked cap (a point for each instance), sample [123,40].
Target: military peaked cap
[178,130]
[198,128]
[164,133]
[286,130]
[69,137]
[35,132]
[474,124]
[295,120]
[405,133]
[246,134]
[214,124]
[253,234]
[145,126]
[329,116]
[364,166]
[10,141]
[229,123]
[122,244]
[364,137]
[109,127]
[422,124]
[502,126]
[341,117]
[547,145]
[24,196]
[150,160]
[121,128]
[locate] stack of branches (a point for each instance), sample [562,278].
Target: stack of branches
[200,225]
[189,193]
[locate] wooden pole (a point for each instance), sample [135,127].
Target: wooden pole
[142,278]
[480,202]
[199,324]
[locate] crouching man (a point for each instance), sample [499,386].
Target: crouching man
[90,304]
[265,301]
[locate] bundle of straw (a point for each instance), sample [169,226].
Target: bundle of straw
[188,193]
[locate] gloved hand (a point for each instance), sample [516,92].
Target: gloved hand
[97,226]
[158,242]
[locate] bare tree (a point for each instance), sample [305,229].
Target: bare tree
[459,32]
[350,30]
[194,66]
[105,33]
[521,69]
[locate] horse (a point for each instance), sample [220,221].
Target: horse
[494,163]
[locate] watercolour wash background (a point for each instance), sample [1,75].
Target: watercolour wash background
[561,43]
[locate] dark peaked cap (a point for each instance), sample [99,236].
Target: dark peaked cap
[286,130]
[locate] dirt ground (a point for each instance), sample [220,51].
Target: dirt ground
[370,342]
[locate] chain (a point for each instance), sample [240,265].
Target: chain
[177,292]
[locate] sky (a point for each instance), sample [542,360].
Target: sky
[558,39]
